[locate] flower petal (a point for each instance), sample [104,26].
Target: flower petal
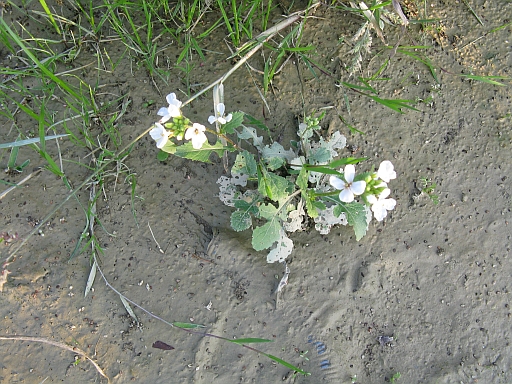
[389,204]
[171,97]
[162,112]
[199,127]
[379,212]
[221,120]
[172,100]
[221,108]
[386,171]
[358,187]
[212,119]
[174,111]
[189,134]
[156,132]
[371,199]
[229,117]
[347,196]
[337,183]
[162,141]
[198,140]
[385,193]
[350,172]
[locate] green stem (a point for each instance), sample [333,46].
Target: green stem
[224,137]
[332,193]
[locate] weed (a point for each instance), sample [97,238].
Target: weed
[427,188]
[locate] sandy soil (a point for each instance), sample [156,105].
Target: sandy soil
[425,294]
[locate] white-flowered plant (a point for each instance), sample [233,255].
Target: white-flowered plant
[219,115]
[160,135]
[380,205]
[348,187]
[274,190]
[173,110]
[196,134]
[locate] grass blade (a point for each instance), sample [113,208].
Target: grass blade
[287,365]
[90,280]
[250,340]
[128,308]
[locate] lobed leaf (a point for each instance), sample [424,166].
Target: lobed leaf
[258,124]
[202,154]
[241,220]
[236,121]
[245,163]
[263,237]
[357,216]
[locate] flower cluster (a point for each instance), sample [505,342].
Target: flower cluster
[372,188]
[173,124]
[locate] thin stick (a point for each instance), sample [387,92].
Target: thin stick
[153,236]
[59,345]
[4,193]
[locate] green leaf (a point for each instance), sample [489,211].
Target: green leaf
[169,147]
[487,79]
[275,163]
[347,160]
[395,104]
[302,179]
[263,237]
[267,211]
[310,205]
[271,185]
[245,164]
[187,325]
[249,340]
[356,216]
[258,124]
[187,151]
[323,169]
[281,250]
[286,364]
[250,133]
[321,155]
[162,156]
[241,220]
[236,121]
[277,150]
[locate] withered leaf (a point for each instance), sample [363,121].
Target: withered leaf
[161,345]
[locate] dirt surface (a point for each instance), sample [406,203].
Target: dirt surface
[426,293]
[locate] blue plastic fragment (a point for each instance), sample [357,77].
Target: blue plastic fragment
[324,364]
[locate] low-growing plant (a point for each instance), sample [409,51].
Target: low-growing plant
[276,190]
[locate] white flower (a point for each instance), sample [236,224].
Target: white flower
[219,116]
[348,188]
[160,135]
[196,134]
[386,171]
[173,110]
[381,205]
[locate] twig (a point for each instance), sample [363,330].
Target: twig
[153,236]
[4,193]
[59,345]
